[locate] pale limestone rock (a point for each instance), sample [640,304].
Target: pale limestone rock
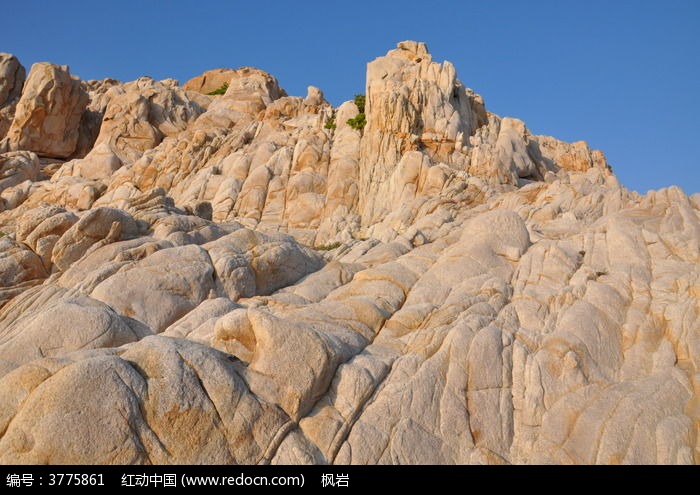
[48,114]
[251,90]
[577,157]
[340,219]
[161,288]
[199,323]
[249,263]
[314,96]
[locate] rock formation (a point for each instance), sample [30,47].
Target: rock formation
[247,278]
[12,76]
[48,112]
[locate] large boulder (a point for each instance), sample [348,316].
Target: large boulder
[101,225]
[209,81]
[35,327]
[17,167]
[12,76]
[162,401]
[48,114]
[20,268]
[140,114]
[40,228]
[161,288]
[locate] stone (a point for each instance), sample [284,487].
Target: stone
[91,120]
[48,113]
[20,269]
[430,110]
[209,81]
[42,227]
[140,114]
[17,167]
[12,76]
[59,326]
[101,225]
[221,421]
[232,279]
[155,296]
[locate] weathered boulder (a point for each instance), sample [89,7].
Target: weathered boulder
[12,76]
[48,114]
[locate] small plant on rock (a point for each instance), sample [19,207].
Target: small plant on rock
[220,90]
[360,103]
[328,247]
[358,123]
[330,124]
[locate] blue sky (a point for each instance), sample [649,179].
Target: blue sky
[623,75]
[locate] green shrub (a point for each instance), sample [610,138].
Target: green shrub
[220,90]
[360,102]
[328,247]
[358,123]
[330,123]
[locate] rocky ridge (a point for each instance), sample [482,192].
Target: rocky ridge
[195,278]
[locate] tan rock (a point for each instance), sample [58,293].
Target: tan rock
[101,225]
[62,324]
[12,76]
[428,108]
[140,114]
[477,294]
[40,229]
[48,114]
[17,167]
[20,268]
[209,81]
[156,296]
[172,401]
[91,120]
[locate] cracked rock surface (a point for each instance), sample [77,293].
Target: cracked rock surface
[195,278]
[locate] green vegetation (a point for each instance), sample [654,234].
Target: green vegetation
[358,123]
[360,102]
[220,90]
[330,123]
[328,247]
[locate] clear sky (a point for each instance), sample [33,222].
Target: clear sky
[623,75]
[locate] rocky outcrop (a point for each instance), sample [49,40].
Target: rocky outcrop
[140,114]
[413,103]
[12,76]
[247,278]
[48,113]
[91,120]
[210,81]
[17,167]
